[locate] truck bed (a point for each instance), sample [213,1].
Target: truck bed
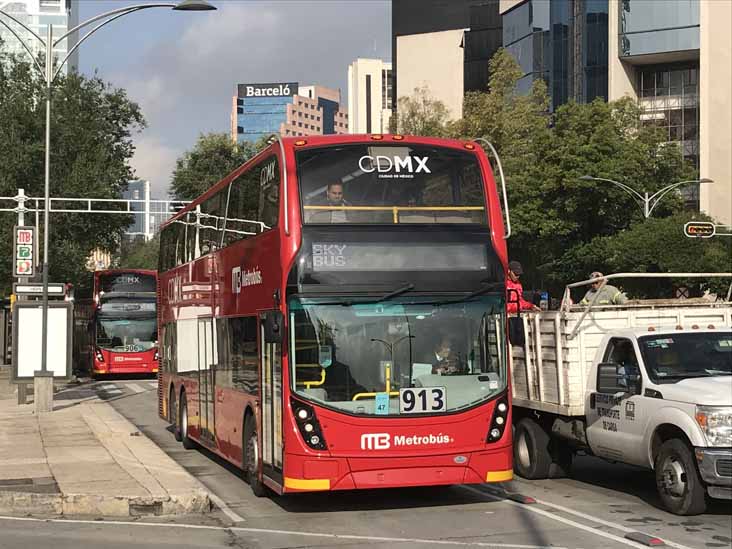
[549,373]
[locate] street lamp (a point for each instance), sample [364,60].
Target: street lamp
[645,202]
[50,76]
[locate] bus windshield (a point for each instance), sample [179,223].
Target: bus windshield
[127,335]
[350,355]
[388,184]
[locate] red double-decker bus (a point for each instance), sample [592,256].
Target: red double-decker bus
[123,325]
[332,316]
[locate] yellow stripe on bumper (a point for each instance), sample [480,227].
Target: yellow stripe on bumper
[499,476]
[307,484]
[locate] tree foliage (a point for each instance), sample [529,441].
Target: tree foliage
[91,128]
[555,215]
[212,157]
[140,254]
[420,114]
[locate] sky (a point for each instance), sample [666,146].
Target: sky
[182,68]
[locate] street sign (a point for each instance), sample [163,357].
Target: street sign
[24,243]
[700,229]
[36,290]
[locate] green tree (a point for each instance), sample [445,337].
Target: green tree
[656,245]
[91,143]
[420,114]
[544,154]
[140,254]
[213,156]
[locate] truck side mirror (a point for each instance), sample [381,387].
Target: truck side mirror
[273,321]
[611,380]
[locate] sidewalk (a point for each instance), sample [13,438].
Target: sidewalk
[84,458]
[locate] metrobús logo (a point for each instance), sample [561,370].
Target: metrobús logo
[384,441]
[394,167]
[241,280]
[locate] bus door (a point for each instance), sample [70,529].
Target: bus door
[207,359]
[271,397]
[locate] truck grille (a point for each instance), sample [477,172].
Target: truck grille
[724,467]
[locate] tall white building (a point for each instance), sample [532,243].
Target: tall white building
[369,96]
[37,15]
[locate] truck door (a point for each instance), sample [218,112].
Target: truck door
[616,422]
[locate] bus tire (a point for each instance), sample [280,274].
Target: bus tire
[173,414]
[531,456]
[251,457]
[188,444]
[679,485]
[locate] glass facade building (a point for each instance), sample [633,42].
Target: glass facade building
[652,27]
[258,117]
[564,42]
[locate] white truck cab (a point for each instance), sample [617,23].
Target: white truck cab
[648,384]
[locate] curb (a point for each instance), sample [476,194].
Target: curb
[23,503]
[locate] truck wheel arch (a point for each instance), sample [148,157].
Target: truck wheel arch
[676,424]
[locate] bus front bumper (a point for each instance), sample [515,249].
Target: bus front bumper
[306,473]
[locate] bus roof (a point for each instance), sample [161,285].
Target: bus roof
[313,141]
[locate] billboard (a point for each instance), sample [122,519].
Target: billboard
[277,89]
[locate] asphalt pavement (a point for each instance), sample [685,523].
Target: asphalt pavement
[598,507]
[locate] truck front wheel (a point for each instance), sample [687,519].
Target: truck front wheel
[677,479]
[531,456]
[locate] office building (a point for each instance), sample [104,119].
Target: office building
[369,96]
[149,213]
[63,15]
[672,56]
[443,47]
[260,110]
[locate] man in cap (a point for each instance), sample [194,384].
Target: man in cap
[608,295]
[514,272]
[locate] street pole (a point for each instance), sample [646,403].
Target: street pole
[646,213]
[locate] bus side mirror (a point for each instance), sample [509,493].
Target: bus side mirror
[273,321]
[516,333]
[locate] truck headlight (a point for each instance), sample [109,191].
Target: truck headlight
[716,423]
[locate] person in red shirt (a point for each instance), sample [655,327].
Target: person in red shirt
[512,283]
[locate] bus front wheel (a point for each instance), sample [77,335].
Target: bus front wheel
[251,458]
[188,444]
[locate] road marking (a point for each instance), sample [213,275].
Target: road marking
[553,516]
[97,523]
[135,387]
[153,385]
[113,392]
[225,508]
[107,386]
[615,525]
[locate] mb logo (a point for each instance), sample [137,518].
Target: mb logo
[375,441]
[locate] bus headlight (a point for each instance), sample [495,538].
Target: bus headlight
[716,424]
[500,417]
[308,425]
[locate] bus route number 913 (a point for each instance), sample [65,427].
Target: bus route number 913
[422,400]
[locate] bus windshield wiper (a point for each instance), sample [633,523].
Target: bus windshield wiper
[399,291]
[475,293]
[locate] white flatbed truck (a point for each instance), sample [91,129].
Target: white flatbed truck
[647,383]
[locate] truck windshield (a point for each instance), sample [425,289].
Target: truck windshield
[127,335]
[352,355]
[680,356]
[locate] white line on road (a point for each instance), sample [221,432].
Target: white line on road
[615,525]
[225,508]
[135,387]
[107,387]
[531,508]
[96,523]
[113,391]
[153,385]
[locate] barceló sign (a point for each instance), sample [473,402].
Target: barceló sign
[283,89]
[699,229]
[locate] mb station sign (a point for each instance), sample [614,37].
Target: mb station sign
[24,246]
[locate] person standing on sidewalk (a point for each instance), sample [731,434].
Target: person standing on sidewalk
[514,272]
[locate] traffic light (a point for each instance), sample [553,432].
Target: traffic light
[699,229]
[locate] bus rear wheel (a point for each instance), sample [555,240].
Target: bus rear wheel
[188,444]
[173,414]
[251,458]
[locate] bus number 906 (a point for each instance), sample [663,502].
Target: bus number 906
[422,400]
